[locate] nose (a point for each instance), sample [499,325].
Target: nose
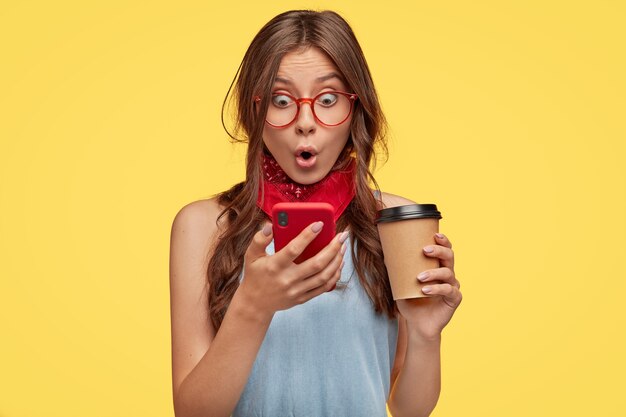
[305,124]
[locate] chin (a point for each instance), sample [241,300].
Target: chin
[308,177]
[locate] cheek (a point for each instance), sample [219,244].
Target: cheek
[345,136]
[268,136]
[274,140]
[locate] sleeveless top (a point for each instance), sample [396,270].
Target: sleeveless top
[330,356]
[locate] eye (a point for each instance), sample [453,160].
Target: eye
[281,100]
[327,99]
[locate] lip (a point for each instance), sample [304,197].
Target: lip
[306,163]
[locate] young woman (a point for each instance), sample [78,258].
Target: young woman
[255,334]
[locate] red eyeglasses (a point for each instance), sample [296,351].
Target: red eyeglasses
[329,108]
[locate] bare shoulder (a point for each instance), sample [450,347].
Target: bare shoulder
[200,214]
[393,200]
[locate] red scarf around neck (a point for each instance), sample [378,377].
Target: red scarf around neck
[337,188]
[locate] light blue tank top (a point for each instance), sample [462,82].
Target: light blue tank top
[331,356]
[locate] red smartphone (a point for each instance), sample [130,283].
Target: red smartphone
[289,219]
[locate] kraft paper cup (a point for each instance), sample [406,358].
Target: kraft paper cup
[404,231]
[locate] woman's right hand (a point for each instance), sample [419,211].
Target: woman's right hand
[275,282]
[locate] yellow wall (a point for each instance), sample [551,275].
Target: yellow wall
[508,115]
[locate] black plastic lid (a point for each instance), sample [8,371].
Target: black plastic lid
[410,211]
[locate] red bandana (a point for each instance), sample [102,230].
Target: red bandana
[337,188]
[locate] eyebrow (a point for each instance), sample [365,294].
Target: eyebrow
[319,80]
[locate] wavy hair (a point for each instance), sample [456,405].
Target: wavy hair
[290,31]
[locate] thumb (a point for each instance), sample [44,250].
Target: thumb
[260,240]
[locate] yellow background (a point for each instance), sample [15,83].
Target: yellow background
[508,115]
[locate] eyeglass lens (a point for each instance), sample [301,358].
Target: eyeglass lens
[330,108]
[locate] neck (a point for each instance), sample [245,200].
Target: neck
[336,188]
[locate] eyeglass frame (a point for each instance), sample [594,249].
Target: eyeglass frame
[351,96]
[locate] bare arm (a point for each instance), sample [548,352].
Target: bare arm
[210,369]
[416,373]
[216,383]
[418,384]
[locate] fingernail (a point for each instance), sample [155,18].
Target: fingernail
[428,249]
[317,226]
[343,236]
[439,235]
[343,248]
[267,230]
[426,289]
[422,276]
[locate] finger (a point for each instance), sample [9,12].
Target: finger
[443,240]
[439,274]
[328,286]
[336,280]
[298,244]
[324,257]
[260,240]
[446,255]
[451,295]
[322,277]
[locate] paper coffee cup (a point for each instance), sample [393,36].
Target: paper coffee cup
[404,231]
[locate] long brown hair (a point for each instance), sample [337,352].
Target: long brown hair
[287,32]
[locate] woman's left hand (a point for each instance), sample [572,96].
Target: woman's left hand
[429,315]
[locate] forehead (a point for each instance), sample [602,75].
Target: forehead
[306,65]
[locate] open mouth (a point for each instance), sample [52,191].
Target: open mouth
[306,159]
